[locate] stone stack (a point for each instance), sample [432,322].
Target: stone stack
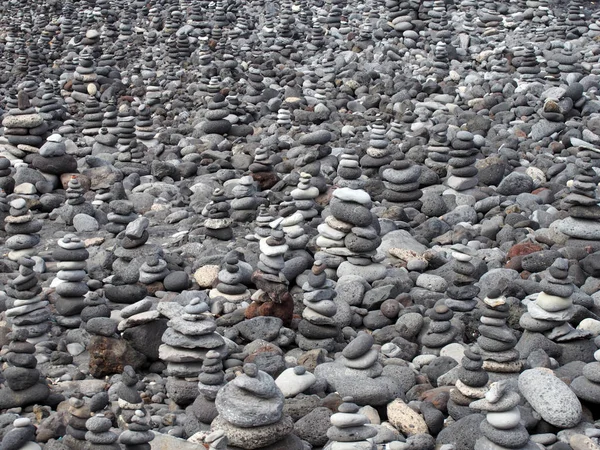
[126,127]
[470,386]
[462,171]
[250,411]
[131,253]
[76,203]
[97,311]
[4,208]
[262,169]
[318,329]
[71,256]
[186,342]
[272,297]
[218,224]
[297,259]
[349,428]
[231,281]
[378,153]
[139,432]
[304,196]
[144,129]
[93,117]
[210,380]
[23,126]
[440,331]
[79,413]
[7,182]
[27,307]
[440,66]
[284,117]
[502,427]
[350,209]
[215,116]
[553,308]
[462,292]
[53,160]
[262,224]
[581,225]
[85,74]
[21,436]
[110,119]
[496,343]
[526,63]
[587,385]
[99,436]
[245,203]
[22,229]
[361,357]
[22,385]
[153,270]
[120,215]
[401,181]
[129,399]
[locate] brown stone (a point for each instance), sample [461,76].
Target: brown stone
[523,249]
[109,356]
[284,309]
[438,397]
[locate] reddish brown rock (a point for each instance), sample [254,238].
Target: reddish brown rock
[523,249]
[109,356]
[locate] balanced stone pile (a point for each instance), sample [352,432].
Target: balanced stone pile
[470,386]
[22,229]
[186,342]
[502,427]
[23,126]
[251,414]
[71,256]
[582,205]
[23,386]
[27,307]
[318,328]
[217,224]
[497,341]
[272,297]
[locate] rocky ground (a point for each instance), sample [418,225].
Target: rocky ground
[299,225]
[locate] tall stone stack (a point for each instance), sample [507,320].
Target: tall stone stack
[470,386]
[350,235]
[462,170]
[462,292]
[218,224]
[502,427]
[378,153]
[72,256]
[22,386]
[23,126]
[401,181]
[245,203]
[318,329]
[27,307]
[553,308]
[581,225]
[78,414]
[272,297]
[496,343]
[138,434]
[251,414]
[186,342]
[349,428]
[22,229]
[210,380]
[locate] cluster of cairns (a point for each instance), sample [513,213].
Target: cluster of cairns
[305,224]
